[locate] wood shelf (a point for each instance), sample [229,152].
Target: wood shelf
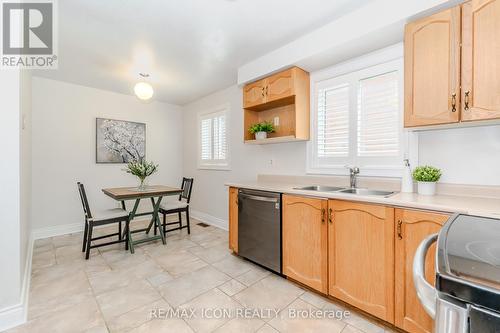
[278,139]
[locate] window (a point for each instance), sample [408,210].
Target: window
[357,120]
[213,149]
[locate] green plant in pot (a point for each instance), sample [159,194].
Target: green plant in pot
[141,169]
[426,177]
[261,129]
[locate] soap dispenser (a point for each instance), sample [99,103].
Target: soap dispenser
[406,180]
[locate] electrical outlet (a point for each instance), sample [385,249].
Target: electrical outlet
[276,121]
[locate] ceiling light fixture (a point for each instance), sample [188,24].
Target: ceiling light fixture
[143,90]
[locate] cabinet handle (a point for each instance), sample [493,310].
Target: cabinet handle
[323,212]
[267,87]
[466,100]
[400,233]
[263,92]
[330,214]
[454,103]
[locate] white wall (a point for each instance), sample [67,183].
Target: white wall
[64,117]
[15,192]
[209,193]
[466,155]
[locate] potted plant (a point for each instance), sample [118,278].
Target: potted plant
[426,178]
[261,129]
[141,169]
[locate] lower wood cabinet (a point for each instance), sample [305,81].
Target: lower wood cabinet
[412,227]
[233,219]
[305,241]
[361,256]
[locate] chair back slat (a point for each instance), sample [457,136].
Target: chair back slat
[187,188]
[85,202]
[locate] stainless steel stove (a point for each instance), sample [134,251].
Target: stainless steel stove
[466,297]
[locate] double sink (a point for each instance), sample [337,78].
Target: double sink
[355,191]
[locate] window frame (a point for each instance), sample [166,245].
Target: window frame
[377,63]
[223,165]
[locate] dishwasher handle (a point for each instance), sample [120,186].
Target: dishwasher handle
[258,198]
[426,293]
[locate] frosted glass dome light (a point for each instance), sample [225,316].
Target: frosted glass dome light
[143,90]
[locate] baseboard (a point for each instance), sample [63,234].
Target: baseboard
[18,314]
[209,219]
[57,230]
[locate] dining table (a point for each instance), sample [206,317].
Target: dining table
[153,192]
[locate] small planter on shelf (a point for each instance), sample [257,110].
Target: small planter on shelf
[426,178]
[261,129]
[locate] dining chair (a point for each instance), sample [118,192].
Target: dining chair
[109,216]
[180,206]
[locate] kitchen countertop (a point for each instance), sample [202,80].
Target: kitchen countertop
[481,206]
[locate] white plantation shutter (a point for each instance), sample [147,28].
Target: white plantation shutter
[333,121]
[213,151]
[357,121]
[378,115]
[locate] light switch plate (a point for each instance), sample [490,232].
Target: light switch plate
[276,121]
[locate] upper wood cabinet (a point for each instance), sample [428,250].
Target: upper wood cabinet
[432,69]
[361,256]
[233,219]
[452,61]
[283,97]
[305,241]
[481,60]
[412,227]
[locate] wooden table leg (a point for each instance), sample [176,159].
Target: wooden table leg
[131,217]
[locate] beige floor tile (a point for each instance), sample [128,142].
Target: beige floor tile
[267,329]
[241,325]
[287,321]
[48,274]
[159,279]
[96,264]
[43,259]
[255,274]
[232,287]
[180,262]
[191,285]
[40,309]
[363,324]
[212,310]
[98,329]
[211,254]
[170,325]
[351,329]
[110,280]
[314,299]
[233,266]
[68,240]
[112,256]
[43,245]
[120,301]
[135,317]
[69,253]
[128,261]
[77,318]
[272,292]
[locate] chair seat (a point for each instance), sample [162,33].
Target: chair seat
[109,214]
[173,205]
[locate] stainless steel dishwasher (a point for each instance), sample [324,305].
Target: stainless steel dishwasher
[259,227]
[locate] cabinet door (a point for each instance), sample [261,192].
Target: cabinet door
[305,240]
[280,85]
[481,60]
[411,228]
[233,219]
[254,94]
[361,256]
[432,69]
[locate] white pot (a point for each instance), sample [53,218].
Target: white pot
[427,188]
[260,135]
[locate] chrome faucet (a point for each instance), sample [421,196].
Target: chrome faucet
[353,173]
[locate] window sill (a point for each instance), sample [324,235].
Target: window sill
[368,171]
[214,167]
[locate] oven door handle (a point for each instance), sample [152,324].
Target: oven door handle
[426,293]
[258,198]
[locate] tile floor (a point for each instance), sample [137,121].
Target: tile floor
[115,291]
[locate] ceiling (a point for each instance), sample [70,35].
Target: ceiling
[190,48]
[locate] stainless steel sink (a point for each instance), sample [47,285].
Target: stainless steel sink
[320,188]
[364,191]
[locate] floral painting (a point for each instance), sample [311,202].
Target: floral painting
[119,141]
